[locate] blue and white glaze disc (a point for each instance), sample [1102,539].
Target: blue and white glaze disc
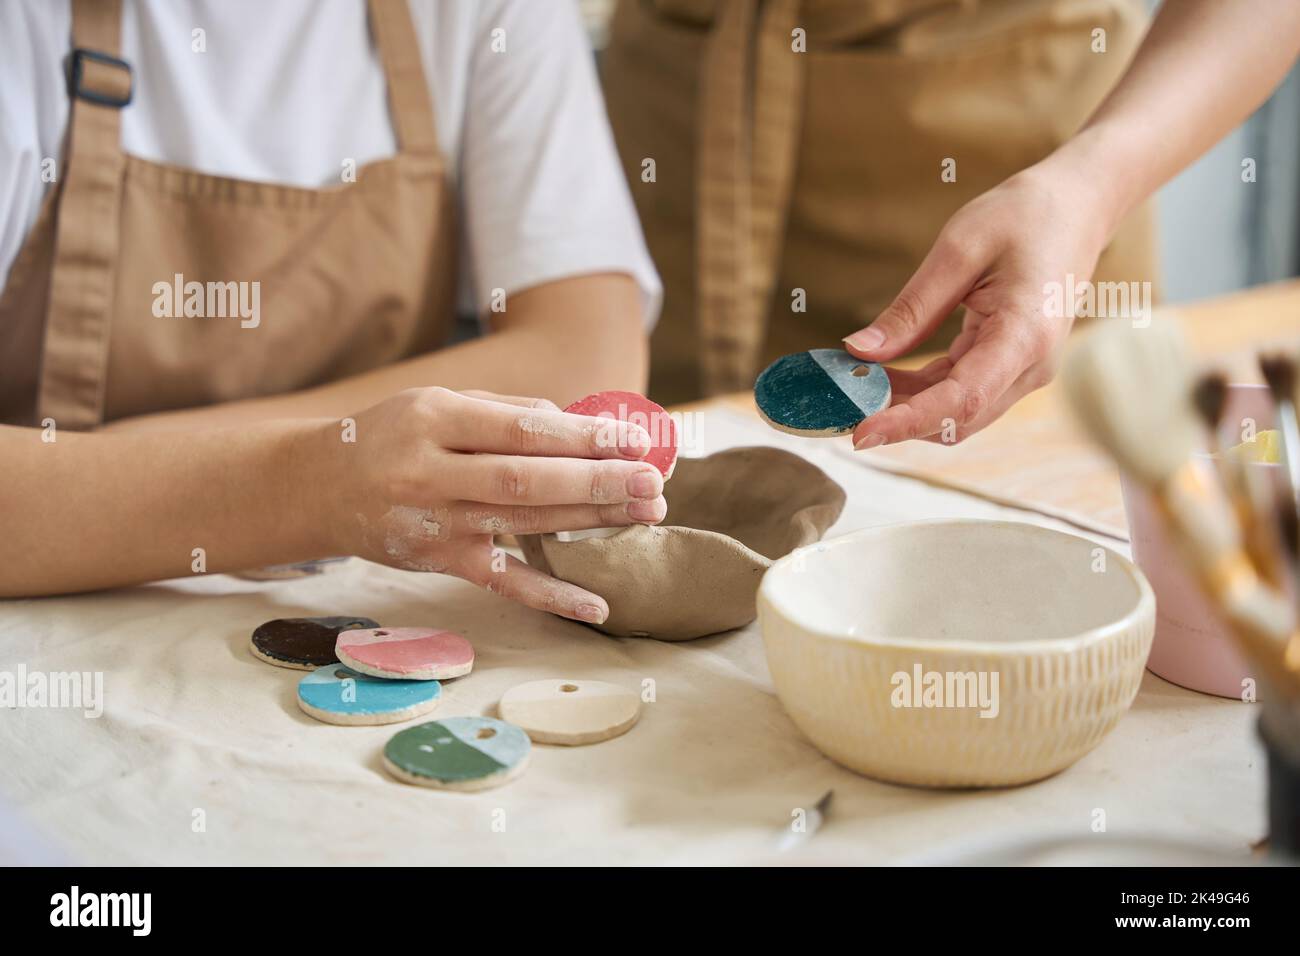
[339,695]
[820,393]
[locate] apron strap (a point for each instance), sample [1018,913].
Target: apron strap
[778,110]
[75,353]
[749,118]
[85,253]
[725,315]
[408,92]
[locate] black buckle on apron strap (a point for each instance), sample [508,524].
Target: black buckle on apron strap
[76,76]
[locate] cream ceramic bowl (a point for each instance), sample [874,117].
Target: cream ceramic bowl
[956,653]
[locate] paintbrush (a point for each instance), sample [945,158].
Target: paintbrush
[1131,389]
[1210,398]
[1289,532]
[1280,374]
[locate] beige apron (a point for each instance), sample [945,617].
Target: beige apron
[820,171]
[348,278]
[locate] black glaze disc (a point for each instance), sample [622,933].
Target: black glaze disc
[304,643]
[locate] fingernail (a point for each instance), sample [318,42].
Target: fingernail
[867,339]
[653,510]
[645,484]
[869,440]
[590,613]
[636,443]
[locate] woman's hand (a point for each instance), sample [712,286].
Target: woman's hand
[996,256]
[1202,69]
[433,474]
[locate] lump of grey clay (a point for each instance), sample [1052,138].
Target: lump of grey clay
[730,516]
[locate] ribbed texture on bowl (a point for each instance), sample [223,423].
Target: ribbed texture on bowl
[1056,703]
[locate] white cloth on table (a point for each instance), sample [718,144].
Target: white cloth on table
[711,774]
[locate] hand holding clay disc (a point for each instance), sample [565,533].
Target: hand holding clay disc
[633,409]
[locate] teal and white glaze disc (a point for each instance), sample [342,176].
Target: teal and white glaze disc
[820,393]
[339,695]
[458,753]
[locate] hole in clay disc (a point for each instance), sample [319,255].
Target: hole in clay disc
[381,633]
[485,732]
[569,688]
[860,371]
[341,674]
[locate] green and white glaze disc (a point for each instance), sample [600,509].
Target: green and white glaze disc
[820,393]
[337,694]
[458,753]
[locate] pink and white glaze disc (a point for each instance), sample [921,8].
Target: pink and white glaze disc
[406,653]
[636,410]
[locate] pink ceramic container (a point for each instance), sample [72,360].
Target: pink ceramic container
[1192,646]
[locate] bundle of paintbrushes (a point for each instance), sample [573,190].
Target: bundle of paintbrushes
[1134,392]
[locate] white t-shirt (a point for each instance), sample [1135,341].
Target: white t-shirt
[287,91]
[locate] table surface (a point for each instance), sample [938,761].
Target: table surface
[202,756]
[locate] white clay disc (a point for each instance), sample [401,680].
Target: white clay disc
[571,712]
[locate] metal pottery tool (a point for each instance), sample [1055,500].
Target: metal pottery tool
[791,838]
